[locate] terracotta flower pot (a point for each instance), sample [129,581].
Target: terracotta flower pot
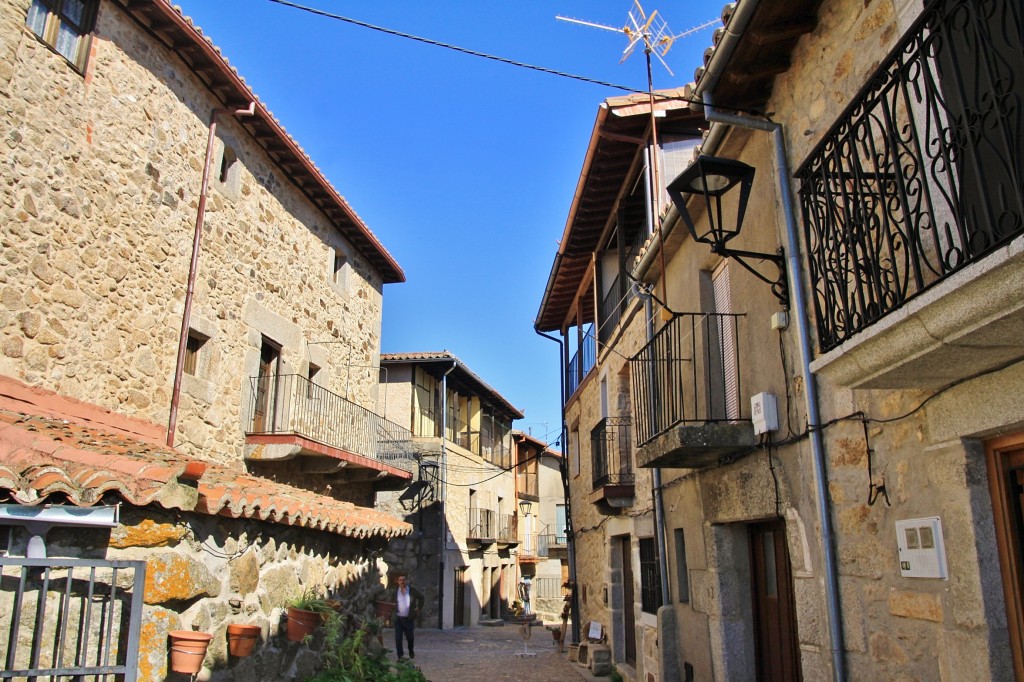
[302,623]
[188,649]
[242,639]
[384,610]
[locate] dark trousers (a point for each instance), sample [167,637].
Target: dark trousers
[403,626]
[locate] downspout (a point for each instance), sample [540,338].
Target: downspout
[812,401]
[186,316]
[563,468]
[444,494]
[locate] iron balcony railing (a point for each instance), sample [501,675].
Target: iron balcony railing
[536,544]
[290,403]
[923,173]
[508,528]
[482,524]
[70,618]
[581,363]
[613,306]
[611,452]
[688,373]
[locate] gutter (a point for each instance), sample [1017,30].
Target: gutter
[444,494]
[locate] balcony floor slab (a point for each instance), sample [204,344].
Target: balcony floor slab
[692,446]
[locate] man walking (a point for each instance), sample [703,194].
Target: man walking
[408,602]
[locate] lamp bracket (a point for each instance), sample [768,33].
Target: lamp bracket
[780,285]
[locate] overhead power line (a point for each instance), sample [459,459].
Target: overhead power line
[456,48]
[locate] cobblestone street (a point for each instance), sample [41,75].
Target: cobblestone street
[489,654]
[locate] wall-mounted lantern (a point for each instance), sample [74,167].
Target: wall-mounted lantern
[711,178]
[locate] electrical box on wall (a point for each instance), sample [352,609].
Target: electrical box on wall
[922,551]
[764,412]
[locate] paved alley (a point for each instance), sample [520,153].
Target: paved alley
[489,654]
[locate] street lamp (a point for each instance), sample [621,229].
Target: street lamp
[526,507]
[712,178]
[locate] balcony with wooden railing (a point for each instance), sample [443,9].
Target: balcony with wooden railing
[290,416]
[508,530]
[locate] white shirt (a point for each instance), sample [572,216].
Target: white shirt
[403,602]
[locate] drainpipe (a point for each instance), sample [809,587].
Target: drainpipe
[570,539]
[812,401]
[444,493]
[186,316]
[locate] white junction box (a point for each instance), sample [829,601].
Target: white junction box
[764,412]
[922,551]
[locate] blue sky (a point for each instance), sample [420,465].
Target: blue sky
[463,167]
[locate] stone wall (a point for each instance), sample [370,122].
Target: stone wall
[204,573]
[99,208]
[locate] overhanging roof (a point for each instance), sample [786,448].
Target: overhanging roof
[620,130]
[462,375]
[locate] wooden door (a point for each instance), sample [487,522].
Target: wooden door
[628,601]
[775,643]
[459,595]
[1005,458]
[266,388]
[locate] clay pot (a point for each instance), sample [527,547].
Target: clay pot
[302,623]
[242,639]
[384,610]
[188,649]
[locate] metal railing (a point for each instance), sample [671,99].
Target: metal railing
[581,363]
[482,524]
[508,528]
[688,373]
[290,403]
[922,175]
[547,588]
[535,545]
[611,452]
[75,618]
[612,306]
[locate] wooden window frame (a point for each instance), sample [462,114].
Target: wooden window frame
[1000,456]
[193,348]
[56,16]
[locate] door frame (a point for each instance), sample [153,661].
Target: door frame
[782,640]
[1002,456]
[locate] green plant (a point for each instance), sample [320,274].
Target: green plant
[356,656]
[310,600]
[616,676]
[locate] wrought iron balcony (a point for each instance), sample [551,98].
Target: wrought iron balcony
[687,397]
[615,302]
[581,363]
[482,526]
[534,545]
[612,464]
[508,529]
[922,175]
[291,404]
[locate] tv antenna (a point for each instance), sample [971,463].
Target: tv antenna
[653,31]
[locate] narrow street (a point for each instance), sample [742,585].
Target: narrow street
[490,654]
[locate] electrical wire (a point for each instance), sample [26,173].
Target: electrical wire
[505,60]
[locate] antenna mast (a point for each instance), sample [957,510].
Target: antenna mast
[653,30]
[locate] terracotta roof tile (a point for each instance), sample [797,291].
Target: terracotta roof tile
[68,458]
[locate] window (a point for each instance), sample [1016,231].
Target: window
[311,384]
[682,570]
[339,267]
[193,345]
[64,25]
[650,577]
[560,524]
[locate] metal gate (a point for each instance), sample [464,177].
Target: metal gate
[70,617]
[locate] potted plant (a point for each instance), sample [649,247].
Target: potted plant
[306,613]
[188,649]
[242,639]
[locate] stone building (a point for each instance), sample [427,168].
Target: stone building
[542,553]
[462,505]
[189,327]
[807,473]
